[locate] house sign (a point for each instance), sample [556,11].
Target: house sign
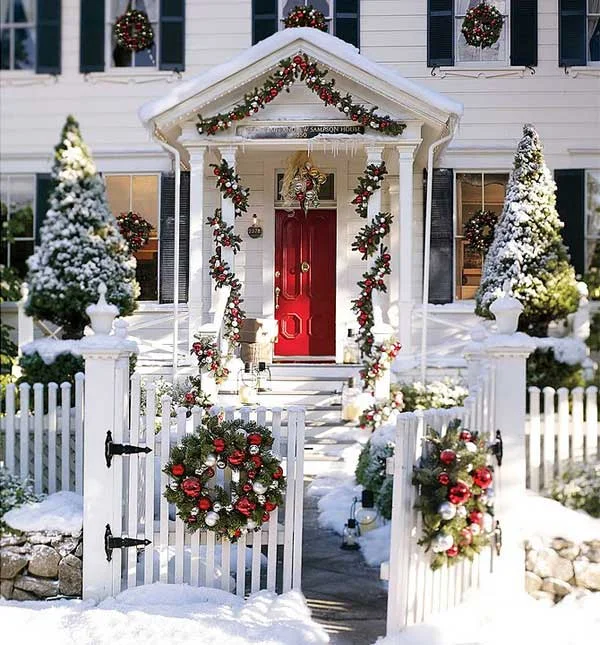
[295,131]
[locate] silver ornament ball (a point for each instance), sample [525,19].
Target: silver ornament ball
[254,450]
[461,511]
[259,488]
[211,518]
[210,460]
[447,510]
[442,542]
[217,506]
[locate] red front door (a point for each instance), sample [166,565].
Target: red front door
[305,282]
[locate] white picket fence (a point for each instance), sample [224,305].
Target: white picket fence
[43,442]
[562,428]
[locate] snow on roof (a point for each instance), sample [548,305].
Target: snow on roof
[281,41]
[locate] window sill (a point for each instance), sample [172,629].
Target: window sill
[593,69]
[132,76]
[22,78]
[482,71]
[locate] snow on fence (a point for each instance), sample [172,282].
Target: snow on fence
[199,558]
[41,436]
[562,428]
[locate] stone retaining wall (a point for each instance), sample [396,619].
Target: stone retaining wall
[557,567]
[40,565]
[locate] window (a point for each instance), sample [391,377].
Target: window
[474,192]
[120,57]
[592,215]
[464,53]
[18,230]
[17,34]
[593,31]
[326,191]
[139,193]
[324,6]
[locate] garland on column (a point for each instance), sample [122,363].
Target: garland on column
[302,68]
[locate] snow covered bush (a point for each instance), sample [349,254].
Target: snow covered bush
[10,285]
[579,488]
[34,369]
[556,363]
[13,493]
[593,341]
[81,245]
[592,276]
[528,249]
[447,393]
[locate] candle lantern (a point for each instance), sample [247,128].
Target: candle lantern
[247,385]
[350,533]
[263,377]
[351,351]
[351,401]
[367,514]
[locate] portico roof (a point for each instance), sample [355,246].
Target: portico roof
[381,84]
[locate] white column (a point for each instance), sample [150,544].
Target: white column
[405,223]
[197,224]
[394,246]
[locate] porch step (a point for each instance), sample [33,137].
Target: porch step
[337,371]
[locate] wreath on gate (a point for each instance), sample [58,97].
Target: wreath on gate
[257,484]
[306,16]
[454,495]
[135,229]
[479,230]
[482,25]
[133,31]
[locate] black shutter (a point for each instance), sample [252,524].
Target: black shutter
[264,19]
[167,237]
[91,36]
[48,37]
[441,280]
[571,32]
[440,29]
[570,204]
[43,188]
[347,21]
[172,35]
[523,32]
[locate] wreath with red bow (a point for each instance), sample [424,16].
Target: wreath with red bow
[135,229]
[306,16]
[257,484]
[133,31]
[482,25]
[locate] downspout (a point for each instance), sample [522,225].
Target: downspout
[177,162]
[427,250]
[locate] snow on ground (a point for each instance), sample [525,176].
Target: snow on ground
[159,614]
[61,511]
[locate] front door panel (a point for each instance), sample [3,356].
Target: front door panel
[305,282]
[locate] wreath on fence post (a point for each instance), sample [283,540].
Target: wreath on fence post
[133,31]
[135,229]
[305,16]
[482,25]
[257,485]
[454,495]
[479,230]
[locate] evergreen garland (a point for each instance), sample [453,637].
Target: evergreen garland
[454,495]
[257,487]
[302,68]
[378,361]
[305,16]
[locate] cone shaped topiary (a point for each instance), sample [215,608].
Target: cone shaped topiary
[81,245]
[527,248]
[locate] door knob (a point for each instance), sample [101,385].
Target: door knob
[304,267]
[277,292]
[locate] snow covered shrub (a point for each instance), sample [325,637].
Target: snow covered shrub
[528,249]
[556,363]
[13,493]
[10,285]
[62,370]
[81,245]
[593,342]
[579,488]
[447,393]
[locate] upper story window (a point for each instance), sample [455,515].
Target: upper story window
[593,31]
[498,52]
[592,215]
[579,32]
[139,193]
[17,34]
[342,17]
[120,56]
[17,194]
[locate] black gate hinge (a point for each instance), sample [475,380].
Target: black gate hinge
[111,449]
[111,542]
[497,535]
[497,447]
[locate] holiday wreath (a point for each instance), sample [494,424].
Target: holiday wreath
[133,31]
[305,16]
[479,230]
[482,25]
[454,495]
[257,485]
[135,229]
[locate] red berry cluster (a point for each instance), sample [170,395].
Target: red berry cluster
[300,67]
[209,357]
[482,25]
[379,413]
[135,229]
[133,31]
[305,16]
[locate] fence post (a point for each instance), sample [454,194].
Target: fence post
[24,322]
[475,355]
[507,352]
[105,392]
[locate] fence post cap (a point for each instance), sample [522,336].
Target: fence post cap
[506,309]
[102,314]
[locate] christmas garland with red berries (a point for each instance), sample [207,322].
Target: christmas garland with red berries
[305,16]
[209,357]
[454,495]
[379,412]
[133,31]
[302,68]
[135,229]
[378,361]
[482,25]
[257,485]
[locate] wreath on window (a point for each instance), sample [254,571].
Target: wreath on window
[482,25]
[135,229]
[479,230]
[306,16]
[133,31]
[257,485]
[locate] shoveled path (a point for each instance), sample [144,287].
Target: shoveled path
[344,594]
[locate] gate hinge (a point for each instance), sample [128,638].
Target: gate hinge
[497,448]
[111,449]
[111,542]
[497,534]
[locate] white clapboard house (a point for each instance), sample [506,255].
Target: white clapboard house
[463,108]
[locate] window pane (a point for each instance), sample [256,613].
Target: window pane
[494,190]
[5,49]
[21,205]
[145,198]
[147,57]
[19,252]
[149,7]
[4,11]
[593,214]
[3,252]
[24,48]
[117,190]
[118,7]
[23,11]
[594,35]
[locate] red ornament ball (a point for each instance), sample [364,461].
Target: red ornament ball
[204,504]
[191,486]
[444,479]
[476,517]
[459,493]
[447,456]
[265,517]
[278,474]
[246,488]
[254,439]
[452,552]
[236,457]
[219,444]
[269,506]
[245,506]
[482,477]
[465,435]
[177,469]
[256,460]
